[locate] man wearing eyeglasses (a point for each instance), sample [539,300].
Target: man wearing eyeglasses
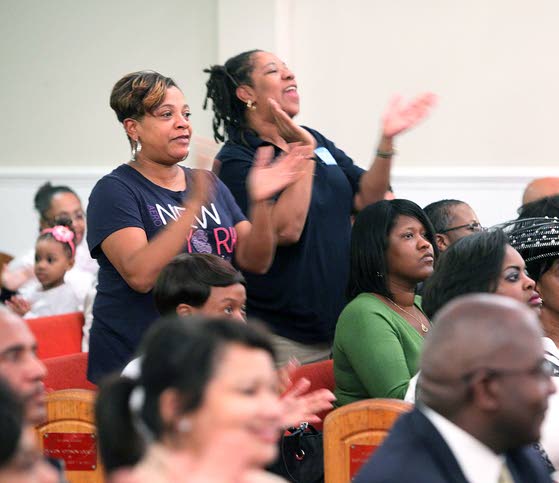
[483,394]
[452,220]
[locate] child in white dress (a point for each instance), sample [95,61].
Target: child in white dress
[55,253]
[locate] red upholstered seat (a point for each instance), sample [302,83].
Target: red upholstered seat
[57,335]
[321,376]
[67,372]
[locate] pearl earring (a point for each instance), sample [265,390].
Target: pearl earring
[184,425]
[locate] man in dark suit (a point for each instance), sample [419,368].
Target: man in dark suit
[482,397]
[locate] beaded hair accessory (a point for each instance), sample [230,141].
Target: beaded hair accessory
[534,238]
[62,234]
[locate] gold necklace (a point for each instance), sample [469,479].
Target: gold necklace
[424,328]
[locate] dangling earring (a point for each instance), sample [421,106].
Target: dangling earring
[251,105]
[136,148]
[184,425]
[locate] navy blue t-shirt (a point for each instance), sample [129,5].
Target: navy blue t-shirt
[304,291]
[125,198]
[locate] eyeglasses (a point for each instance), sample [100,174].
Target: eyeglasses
[543,368]
[473,227]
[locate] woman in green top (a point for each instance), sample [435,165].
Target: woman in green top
[380,333]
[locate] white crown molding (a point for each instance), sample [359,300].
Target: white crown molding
[466,174]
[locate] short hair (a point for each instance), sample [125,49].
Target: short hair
[11,423]
[43,198]
[468,333]
[440,213]
[178,356]
[472,264]
[139,93]
[189,278]
[369,242]
[229,110]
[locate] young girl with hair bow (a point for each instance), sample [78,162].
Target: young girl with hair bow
[55,253]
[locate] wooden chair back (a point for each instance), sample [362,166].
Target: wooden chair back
[69,433]
[353,432]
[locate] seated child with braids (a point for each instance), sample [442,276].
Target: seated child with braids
[55,252]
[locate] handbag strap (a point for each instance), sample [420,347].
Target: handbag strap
[299,452]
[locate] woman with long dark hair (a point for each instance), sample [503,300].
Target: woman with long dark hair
[380,333]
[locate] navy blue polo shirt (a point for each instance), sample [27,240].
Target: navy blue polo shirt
[303,293]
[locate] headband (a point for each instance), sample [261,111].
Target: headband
[62,234]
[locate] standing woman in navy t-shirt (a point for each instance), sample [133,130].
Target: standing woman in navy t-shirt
[148,210]
[254,98]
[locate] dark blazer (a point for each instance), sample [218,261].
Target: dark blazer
[414,451]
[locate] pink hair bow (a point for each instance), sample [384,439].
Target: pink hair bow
[62,234]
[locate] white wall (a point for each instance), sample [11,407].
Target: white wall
[60,59]
[492,63]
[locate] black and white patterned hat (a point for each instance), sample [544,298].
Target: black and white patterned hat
[533,238]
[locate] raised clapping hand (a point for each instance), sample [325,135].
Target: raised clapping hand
[202,183]
[289,130]
[299,405]
[267,178]
[202,189]
[400,116]
[13,279]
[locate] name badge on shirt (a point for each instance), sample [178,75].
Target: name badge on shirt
[325,155]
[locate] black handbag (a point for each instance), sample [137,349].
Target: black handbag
[301,455]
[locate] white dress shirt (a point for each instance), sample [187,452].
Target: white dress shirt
[478,462]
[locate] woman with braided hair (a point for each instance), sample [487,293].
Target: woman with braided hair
[254,100]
